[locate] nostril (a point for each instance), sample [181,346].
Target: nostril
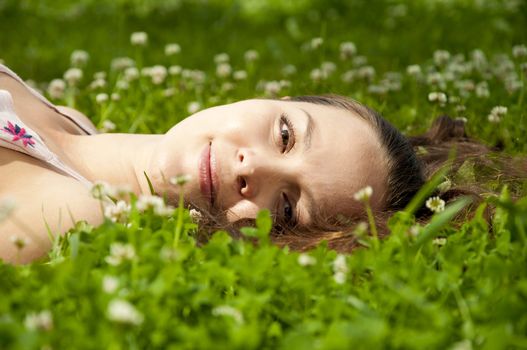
[242,183]
[240,157]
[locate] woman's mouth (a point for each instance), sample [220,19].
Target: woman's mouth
[208,182]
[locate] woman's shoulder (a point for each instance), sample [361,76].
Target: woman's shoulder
[44,199]
[40,114]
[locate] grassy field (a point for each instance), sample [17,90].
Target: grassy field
[142,282]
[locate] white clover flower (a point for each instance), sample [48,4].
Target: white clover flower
[272,88]
[377,89]
[7,205]
[251,56]
[158,74]
[168,254]
[121,63]
[223,70]
[328,67]
[512,84]
[364,194]
[306,260]
[366,72]
[348,76]
[32,84]
[214,100]
[39,321]
[288,70]
[146,71]
[436,79]
[193,107]
[122,311]
[122,85]
[120,252]
[98,84]
[519,51]
[139,38]
[391,85]
[414,70]
[131,73]
[340,264]
[149,201]
[359,61]
[239,75]
[221,58]
[227,86]
[169,92]
[79,58]
[115,96]
[197,76]
[439,97]
[482,89]
[317,75]
[156,203]
[461,109]
[499,111]
[19,242]
[285,84]
[73,76]
[117,212]
[415,230]
[316,43]
[339,277]
[465,344]
[493,118]
[99,75]
[465,85]
[461,119]
[195,215]
[110,284]
[347,50]
[439,241]
[174,70]
[121,192]
[107,126]
[479,59]
[340,269]
[361,229]
[101,189]
[101,98]
[172,49]
[226,310]
[441,57]
[435,204]
[180,180]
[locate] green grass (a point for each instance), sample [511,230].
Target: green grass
[425,286]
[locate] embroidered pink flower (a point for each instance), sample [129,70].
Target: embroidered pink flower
[19,133]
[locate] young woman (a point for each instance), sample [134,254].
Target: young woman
[303,158]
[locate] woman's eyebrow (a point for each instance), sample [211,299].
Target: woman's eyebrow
[309,130]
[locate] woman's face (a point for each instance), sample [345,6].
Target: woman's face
[297,159]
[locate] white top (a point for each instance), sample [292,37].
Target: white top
[16,135]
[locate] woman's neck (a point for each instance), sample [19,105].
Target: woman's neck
[118,159]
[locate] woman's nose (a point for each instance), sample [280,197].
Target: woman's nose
[254,171]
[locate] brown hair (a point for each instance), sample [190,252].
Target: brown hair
[412,161]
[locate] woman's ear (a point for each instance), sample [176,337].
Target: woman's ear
[285,98]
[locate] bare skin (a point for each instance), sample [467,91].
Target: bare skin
[304,165]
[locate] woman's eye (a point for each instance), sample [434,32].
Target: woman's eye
[288,210]
[287,133]
[284,133]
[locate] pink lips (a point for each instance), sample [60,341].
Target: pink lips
[207,174]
